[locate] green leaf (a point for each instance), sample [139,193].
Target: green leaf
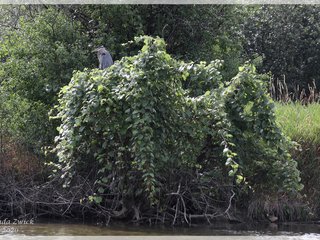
[100,88]
[97,199]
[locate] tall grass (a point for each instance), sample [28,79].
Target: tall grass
[302,124]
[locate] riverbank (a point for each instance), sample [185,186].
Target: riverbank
[28,192]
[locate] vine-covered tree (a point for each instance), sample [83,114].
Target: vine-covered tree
[148,138]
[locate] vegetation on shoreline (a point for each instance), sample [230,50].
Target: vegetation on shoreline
[161,136]
[302,124]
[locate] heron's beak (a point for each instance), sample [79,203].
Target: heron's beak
[95,50]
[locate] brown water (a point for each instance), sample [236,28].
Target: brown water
[72,229]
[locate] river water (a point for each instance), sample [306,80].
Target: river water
[311,231]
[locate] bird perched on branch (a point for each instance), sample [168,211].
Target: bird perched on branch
[105,59]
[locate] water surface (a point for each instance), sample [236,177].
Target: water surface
[218,229]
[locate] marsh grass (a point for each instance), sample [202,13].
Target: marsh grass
[302,124]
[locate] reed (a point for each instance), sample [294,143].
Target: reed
[279,91]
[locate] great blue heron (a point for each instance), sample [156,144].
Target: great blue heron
[105,59]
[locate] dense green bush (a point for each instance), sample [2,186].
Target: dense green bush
[38,59]
[138,126]
[256,134]
[26,122]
